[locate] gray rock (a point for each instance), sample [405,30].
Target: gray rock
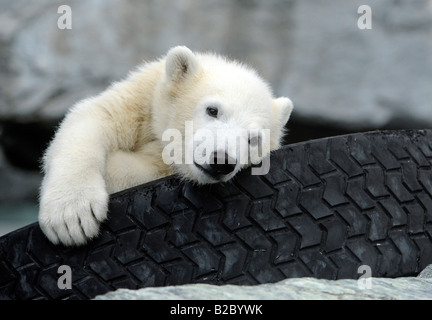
[312,51]
[361,78]
[426,273]
[290,289]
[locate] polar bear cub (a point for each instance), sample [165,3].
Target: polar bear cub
[151,125]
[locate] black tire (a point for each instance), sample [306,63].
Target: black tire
[326,207]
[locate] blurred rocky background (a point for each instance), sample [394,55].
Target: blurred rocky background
[341,78]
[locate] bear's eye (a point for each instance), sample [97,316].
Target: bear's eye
[212,111]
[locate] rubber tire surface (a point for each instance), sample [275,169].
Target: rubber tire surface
[325,208]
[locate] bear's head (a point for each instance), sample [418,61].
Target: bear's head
[215,116]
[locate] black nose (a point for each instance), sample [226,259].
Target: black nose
[222,164]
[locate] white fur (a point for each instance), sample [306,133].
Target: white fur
[113,141]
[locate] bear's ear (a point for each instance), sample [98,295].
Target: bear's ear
[284,107]
[180,63]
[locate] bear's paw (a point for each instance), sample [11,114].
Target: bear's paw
[72,216]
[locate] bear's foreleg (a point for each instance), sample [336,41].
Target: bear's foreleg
[126,169]
[73,196]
